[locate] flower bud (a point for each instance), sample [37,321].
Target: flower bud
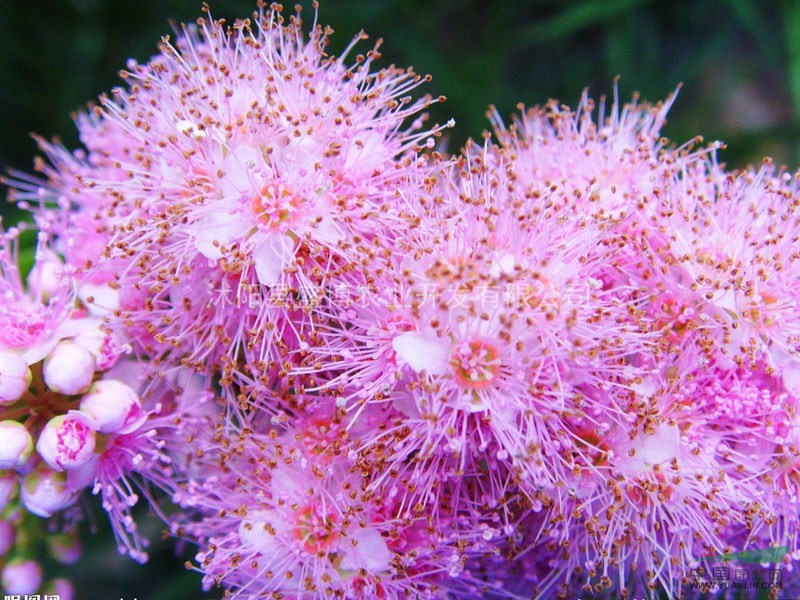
[67,441]
[16,444]
[64,547]
[45,492]
[113,405]
[46,275]
[105,346]
[22,577]
[60,588]
[8,535]
[15,377]
[69,368]
[8,487]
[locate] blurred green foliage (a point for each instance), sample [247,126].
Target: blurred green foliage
[738,60]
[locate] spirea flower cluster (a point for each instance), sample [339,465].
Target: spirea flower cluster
[343,363]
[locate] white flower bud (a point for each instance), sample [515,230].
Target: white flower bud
[45,492]
[69,368]
[105,346]
[16,444]
[112,404]
[15,377]
[22,577]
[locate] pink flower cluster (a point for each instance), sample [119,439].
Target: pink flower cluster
[563,361]
[68,420]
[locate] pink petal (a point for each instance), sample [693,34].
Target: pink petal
[239,167]
[252,533]
[327,232]
[217,227]
[370,552]
[270,258]
[422,352]
[367,153]
[651,449]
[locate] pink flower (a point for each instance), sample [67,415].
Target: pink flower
[67,441]
[16,444]
[257,192]
[141,450]
[487,322]
[29,319]
[21,327]
[566,360]
[298,516]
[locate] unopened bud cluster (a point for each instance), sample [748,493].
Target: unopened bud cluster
[61,411]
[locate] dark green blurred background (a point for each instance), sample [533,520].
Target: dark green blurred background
[738,60]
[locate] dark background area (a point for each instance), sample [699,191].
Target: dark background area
[738,61]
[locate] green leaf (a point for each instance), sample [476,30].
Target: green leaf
[580,16]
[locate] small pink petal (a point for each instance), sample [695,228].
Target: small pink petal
[327,232]
[422,352]
[256,531]
[270,258]
[370,552]
[218,227]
